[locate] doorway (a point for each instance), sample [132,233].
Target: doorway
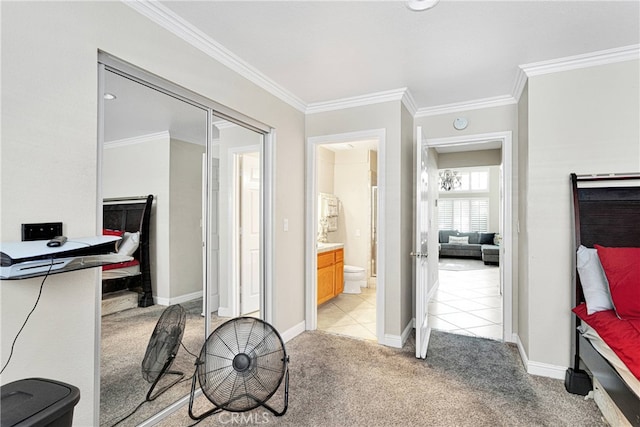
[465,144]
[340,225]
[242,211]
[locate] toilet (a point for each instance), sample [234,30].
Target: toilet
[354,279]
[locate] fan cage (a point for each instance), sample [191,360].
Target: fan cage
[242,364]
[164,342]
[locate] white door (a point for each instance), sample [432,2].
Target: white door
[250,233]
[423,219]
[213,248]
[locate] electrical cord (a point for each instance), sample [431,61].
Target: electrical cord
[187,350]
[27,319]
[145,401]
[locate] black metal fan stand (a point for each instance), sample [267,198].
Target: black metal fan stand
[150,397]
[223,407]
[240,364]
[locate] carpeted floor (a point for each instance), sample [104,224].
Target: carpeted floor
[340,381]
[125,336]
[465,381]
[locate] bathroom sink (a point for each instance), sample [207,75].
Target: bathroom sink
[328,246]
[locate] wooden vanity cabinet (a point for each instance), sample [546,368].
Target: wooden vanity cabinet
[330,274]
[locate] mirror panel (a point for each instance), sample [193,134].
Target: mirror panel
[206,176]
[153,144]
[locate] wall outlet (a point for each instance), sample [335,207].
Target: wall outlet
[41,231]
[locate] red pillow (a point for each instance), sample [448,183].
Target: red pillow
[108,232]
[622,268]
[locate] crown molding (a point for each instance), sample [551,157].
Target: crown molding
[409,102]
[602,57]
[356,101]
[173,23]
[519,84]
[496,101]
[137,139]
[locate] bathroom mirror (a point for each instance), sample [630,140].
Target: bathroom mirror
[329,210]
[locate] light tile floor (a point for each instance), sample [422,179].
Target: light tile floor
[468,302]
[352,315]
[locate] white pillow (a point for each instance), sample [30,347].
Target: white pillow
[459,240]
[594,282]
[129,243]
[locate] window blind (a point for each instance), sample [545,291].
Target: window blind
[463,214]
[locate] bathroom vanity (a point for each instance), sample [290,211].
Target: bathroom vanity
[330,270]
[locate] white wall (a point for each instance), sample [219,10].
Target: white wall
[138,167]
[523,241]
[354,192]
[325,160]
[185,231]
[582,121]
[469,158]
[49,116]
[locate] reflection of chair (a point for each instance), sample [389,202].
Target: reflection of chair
[241,365]
[162,349]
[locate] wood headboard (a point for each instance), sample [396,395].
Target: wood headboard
[606,212]
[133,214]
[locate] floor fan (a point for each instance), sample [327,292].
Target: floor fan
[163,346]
[240,367]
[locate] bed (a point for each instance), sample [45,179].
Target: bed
[606,348]
[129,217]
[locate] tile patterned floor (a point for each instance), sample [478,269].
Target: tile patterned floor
[468,302]
[352,315]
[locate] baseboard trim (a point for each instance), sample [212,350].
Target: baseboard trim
[398,341]
[225,312]
[177,300]
[539,368]
[293,332]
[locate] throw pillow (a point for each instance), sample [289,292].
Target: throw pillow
[459,240]
[473,236]
[486,238]
[622,268]
[129,244]
[595,286]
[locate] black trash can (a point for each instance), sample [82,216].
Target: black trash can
[37,402]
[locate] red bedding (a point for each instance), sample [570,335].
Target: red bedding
[623,336]
[131,263]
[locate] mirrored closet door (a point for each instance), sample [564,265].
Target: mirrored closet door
[204,170]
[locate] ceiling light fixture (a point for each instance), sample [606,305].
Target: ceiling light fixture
[419,5]
[450,180]
[109,96]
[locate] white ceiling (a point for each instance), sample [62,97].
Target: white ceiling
[314,52]
[456,52]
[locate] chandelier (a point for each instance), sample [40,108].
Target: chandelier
[449,180]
